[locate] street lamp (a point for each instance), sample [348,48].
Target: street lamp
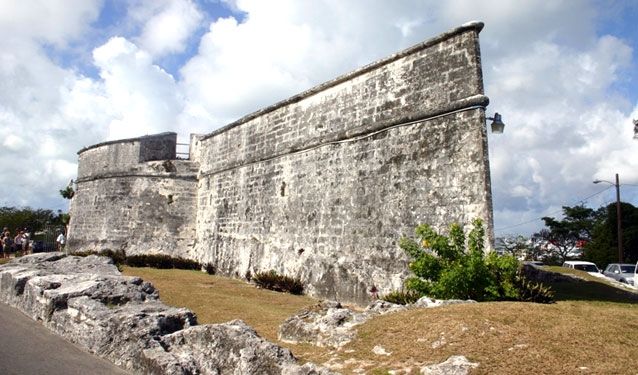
[497,123]
[617,185]
[635,129]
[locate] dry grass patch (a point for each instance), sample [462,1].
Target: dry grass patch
[218,299]
[504,337]
[569,337]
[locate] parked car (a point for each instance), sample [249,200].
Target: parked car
[535,263]
[623,272]
[588,267]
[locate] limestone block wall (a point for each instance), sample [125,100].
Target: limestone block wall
[134,195]
[322,185]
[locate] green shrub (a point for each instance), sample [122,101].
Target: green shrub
[280,283]
[532,292]
[118,256]
[161,261]
[402,297]
[210,268]
[444,268]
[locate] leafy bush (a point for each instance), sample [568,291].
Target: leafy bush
[210,268]
[162,261]
[402,297]
[280,283]
[532,292]
[444,268]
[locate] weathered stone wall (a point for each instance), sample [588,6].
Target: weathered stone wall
[323,185]
[122,156]
[320,186]
[128,198]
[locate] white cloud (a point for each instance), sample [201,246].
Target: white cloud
[168,30]
[547,69]
[37,131]
[141,97]
[51,21]
[278,51]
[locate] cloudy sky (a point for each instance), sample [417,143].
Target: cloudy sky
[564,75]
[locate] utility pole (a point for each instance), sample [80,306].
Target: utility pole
[618,216]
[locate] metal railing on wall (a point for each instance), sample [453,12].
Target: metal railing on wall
[183,151]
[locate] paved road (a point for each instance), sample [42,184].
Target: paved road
[26,347]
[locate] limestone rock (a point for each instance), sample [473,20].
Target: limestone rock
[455,365]
[380,350]
[428,302]
[384,307]
[120,318]
[230,348]
[324,324]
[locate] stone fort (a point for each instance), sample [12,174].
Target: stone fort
[320,186]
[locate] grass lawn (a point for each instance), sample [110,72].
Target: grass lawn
[576,335]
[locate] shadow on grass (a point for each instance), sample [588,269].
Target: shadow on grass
[585,290]
[575,285]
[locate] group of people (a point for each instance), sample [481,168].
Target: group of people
[23,243]
[11,244]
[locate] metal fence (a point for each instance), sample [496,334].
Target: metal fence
[183,151]
[45,239]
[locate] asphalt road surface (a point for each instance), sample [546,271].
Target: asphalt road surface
[27,347]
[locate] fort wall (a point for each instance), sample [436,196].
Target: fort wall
[134,195]
[320,186]
[323,185]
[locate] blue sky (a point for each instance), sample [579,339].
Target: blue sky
[563,74]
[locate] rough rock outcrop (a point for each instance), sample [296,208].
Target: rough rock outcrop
[329,324]
[196,350]
[325,324]
[455,365]
[428,302]
[120,318]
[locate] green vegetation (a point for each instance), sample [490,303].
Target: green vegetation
[401,297]
[444,268]
[159,261]
[279,283]
[603,247]
[595,229]
[35,219]
[68,192]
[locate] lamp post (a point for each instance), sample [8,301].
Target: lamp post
[618,226]
[497,123]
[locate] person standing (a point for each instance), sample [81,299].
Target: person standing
[61,241]
[26,243]
[18,240]
[7,243]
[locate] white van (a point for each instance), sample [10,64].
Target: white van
[588,267]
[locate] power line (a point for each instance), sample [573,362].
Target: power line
[581,201]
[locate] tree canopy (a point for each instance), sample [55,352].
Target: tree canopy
[25,217]
[603,248]
[596,230]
